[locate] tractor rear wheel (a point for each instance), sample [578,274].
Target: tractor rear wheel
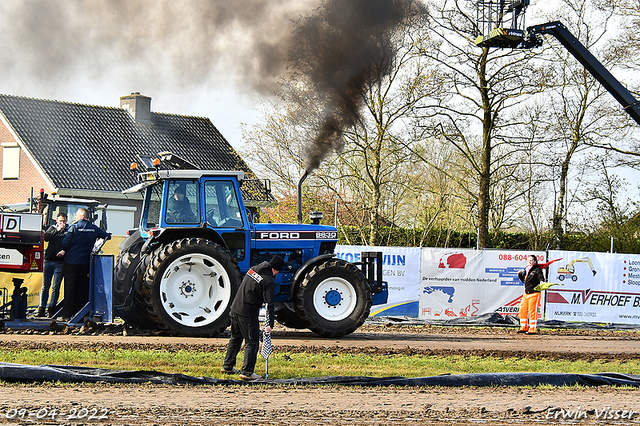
[333,299]
[124,276]
[126,279]
[189,285]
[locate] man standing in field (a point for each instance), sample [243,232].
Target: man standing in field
[257,288]
[53,265]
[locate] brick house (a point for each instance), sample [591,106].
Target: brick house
[84,151]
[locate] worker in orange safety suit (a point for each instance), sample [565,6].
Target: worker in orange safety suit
[531,276]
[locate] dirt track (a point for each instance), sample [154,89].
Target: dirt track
[218,405]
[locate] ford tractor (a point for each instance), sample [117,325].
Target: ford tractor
[180,269]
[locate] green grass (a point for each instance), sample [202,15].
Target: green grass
[292,365]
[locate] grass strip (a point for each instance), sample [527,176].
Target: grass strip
[292,365]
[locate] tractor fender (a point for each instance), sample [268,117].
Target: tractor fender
[304,269]
[130,241]
[170,234]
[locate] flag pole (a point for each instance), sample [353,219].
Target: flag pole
[267,348]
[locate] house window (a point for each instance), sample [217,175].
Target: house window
[10,161]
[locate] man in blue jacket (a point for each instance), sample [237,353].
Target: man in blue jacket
[77,245]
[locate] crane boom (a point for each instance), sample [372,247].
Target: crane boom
[629,103]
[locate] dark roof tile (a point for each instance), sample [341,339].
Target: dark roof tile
[91,147]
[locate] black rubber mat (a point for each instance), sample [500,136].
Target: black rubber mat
[39,373]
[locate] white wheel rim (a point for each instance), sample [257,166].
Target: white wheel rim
[325,299]
[195,290]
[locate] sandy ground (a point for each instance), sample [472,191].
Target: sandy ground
[267,404]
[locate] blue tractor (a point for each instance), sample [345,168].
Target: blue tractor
[180,270]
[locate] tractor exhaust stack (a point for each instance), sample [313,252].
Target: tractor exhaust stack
[302,179]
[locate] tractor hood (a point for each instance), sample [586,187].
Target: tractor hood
[290,231]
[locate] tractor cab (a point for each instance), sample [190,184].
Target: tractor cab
[52,206]
[195,202]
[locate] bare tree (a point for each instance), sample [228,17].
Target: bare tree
[624,52]
[482,85]
[371,174]
[630,39]
[611,211]
[276,147]
[374,166]
[583,114]
[440,197]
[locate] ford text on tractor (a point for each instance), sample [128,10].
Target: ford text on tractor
[180,270]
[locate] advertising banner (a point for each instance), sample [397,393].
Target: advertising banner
[10,257]
[594,287]
[466,283]
[401,272]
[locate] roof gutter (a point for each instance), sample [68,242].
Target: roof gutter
[87,193]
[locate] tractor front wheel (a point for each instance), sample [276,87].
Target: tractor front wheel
[333,299]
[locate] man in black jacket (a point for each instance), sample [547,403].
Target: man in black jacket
[53,265]
[257,288]
[179,207]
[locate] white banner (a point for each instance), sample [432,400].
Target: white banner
[401,272]
[434,283]
[10,257]
[465,282]
[597,287]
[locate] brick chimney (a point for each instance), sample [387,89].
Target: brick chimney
[139,106]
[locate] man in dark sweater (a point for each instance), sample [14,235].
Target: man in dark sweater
[53,265]
[257,288]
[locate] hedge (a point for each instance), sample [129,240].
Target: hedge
[625,241]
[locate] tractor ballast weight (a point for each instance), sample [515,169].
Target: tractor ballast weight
[372,268]
[180,270]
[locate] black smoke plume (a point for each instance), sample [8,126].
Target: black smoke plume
[160,43]
[340,51]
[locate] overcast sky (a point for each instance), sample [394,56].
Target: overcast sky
[208,58]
